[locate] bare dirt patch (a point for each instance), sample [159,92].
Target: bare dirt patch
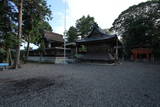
[17,87]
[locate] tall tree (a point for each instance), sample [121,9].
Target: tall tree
[149,9]
[17,61]
[84,25]
[139,25]
[35,14]
[8,27]
[72,34]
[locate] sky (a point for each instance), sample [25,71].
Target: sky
[104,11]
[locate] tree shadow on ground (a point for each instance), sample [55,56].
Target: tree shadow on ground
[18,87]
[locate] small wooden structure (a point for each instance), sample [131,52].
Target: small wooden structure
[142,53]
[98,46]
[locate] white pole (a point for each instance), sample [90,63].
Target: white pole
[65,34]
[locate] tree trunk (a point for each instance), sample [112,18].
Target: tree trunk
[10,57]
[17,61]
[27,50]
[7,55]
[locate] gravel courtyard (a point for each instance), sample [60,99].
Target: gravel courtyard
[81,85]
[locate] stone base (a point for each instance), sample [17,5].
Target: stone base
[56,60]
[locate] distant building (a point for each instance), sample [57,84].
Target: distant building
[142,53]
[54,49]
[53,40]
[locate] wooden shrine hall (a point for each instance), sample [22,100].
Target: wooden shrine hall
[98,46]
[53,51]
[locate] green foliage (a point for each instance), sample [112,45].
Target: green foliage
[2,54]
[149,9]
[72,34]
[84,25]
[7,23]
[10,40]
[139,26]
[7,16]
[36,13]
[138,33]
[83,48]
[37,32]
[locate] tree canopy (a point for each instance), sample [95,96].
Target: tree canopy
[34,24]
[82,28]
[7,21]
[84,25]
[72,34]
[35,13]
[139,25]
[149,9]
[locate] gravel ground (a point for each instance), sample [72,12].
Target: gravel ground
[81,85]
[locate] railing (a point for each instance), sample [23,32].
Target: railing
[55,52]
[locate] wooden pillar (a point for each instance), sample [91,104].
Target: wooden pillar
[77,49]
[117,48]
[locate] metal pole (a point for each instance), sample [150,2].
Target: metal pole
[65,34]
[64,50]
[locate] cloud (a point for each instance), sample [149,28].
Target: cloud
[104,11]
[58,21]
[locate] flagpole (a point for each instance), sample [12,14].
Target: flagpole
[64,36]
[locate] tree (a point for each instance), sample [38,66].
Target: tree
[35,14]
[8,28]
[17,61]
[139,26]
[84,25]
[72,34]
[146,9]
[138,34]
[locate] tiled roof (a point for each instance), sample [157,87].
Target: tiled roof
[96,35]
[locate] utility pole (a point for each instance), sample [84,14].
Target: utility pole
[17,61]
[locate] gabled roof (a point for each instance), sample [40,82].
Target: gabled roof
[51,36]
[97,34]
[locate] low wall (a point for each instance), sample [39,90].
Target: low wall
[56,60]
